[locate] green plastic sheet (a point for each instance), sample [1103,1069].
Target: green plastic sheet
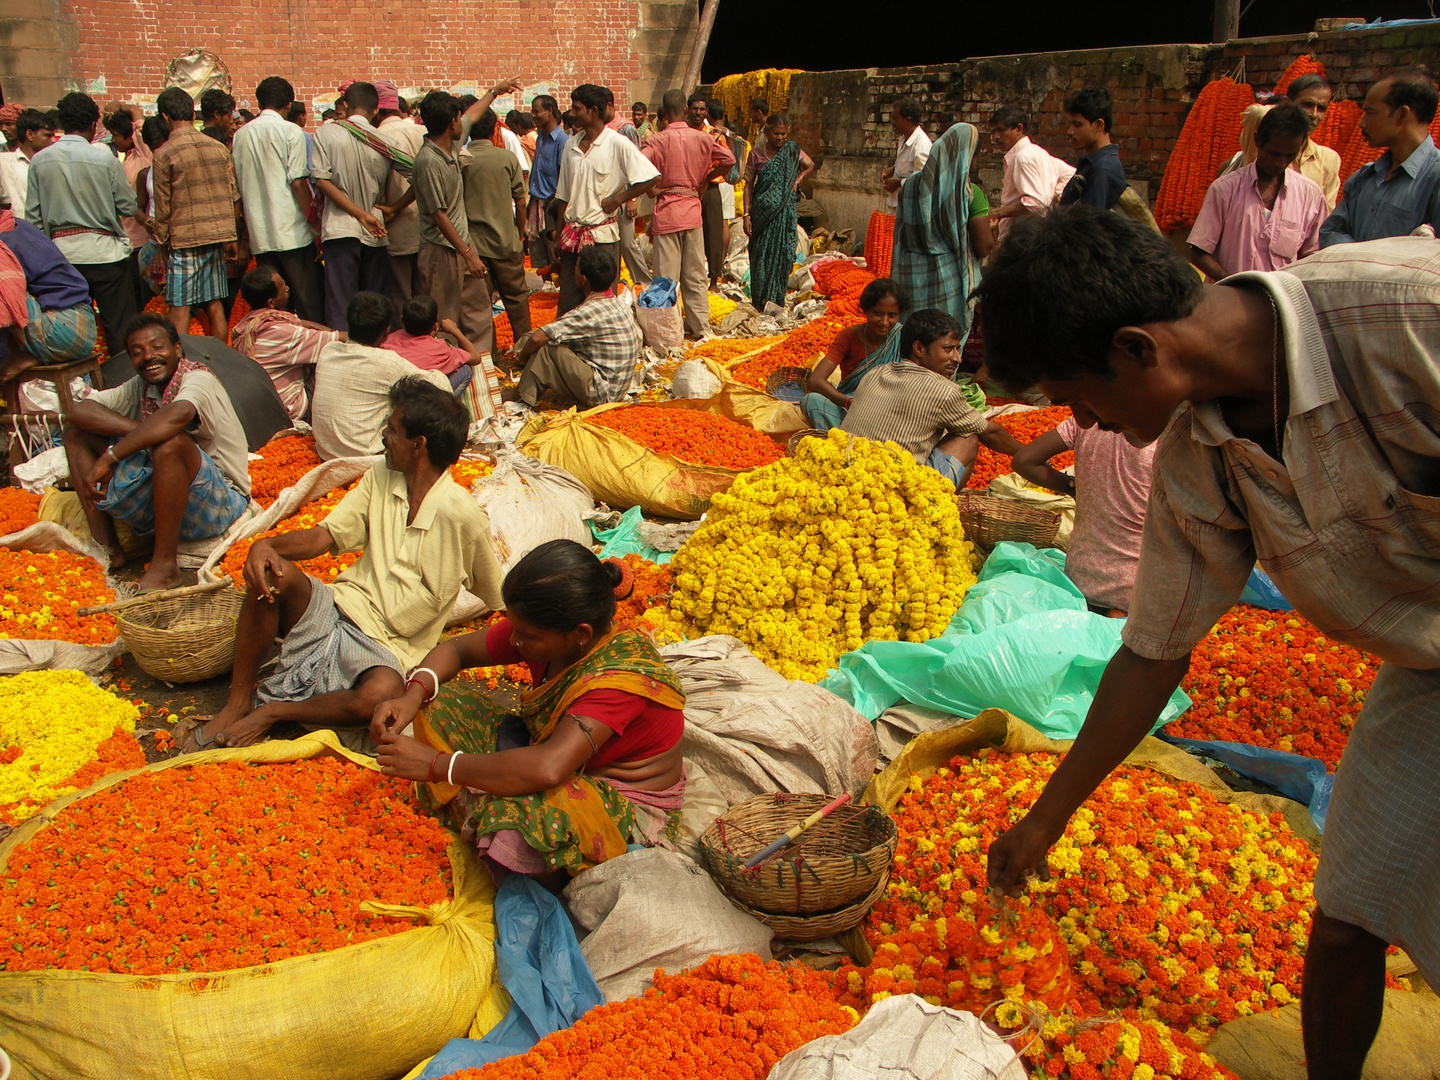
[624,539]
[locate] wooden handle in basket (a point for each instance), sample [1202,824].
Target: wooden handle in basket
[163,594]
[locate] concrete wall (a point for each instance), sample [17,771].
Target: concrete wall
[36,40]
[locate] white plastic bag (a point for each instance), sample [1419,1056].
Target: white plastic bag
[43,470]
[663,327]
[694,380]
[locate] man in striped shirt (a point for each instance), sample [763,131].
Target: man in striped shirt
[285,345]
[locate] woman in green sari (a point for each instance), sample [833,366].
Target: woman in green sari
[773,175]
[591,762]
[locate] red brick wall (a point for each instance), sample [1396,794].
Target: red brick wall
[317,45]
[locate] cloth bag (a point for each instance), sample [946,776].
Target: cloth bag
[658,311]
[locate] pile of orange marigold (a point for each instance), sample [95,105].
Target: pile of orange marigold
[40,593]
[19,509]
[544,308]
[1269,678]
[326,567]
[1026,427]
[282,462]
[843,282]
[216,867]
[699,438]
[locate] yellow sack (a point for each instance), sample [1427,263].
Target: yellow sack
[366,1012]
[752,407]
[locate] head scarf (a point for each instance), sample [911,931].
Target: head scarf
[389,94]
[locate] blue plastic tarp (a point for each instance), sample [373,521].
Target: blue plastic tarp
[624,539]
[1261,592]
[1304,779]
[1023,640]
[538,960]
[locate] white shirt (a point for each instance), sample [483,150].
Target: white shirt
[352,396]
[14,175]
[587,179]
[910,158]
[1033,177]
[516,147]
[269,153]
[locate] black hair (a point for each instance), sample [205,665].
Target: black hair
[32,120]
[598,266]
[368,315]
[274,93]
[1285,121]
[716,109]
[78,112]
[258,287]
[697,96]
[1062,284]
[119,122]
[909,108]
[775,120]
[175,104]
[149,318]
[1010,116]
[926,326]
[1413,89]
[484,128]
[1093,103]
[561,584]
[879,289]
[429,412]
[639,105]
[52,119]
[295,111]
[466,100]
[419,315]
[329,114]
[673,103]
[215,102]
[362,95]
[154,132]
[1308,81]
[548,103]
[590,96]
[438,110]
[761,104]
[245,114]
[512,118]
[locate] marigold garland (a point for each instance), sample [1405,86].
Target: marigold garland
[736,92]
[283,461]
[690,435]
[217,867]
[544,309]
[59,733]
[1026,427]
[1301,65]
[1210,136]
[40,593]
[1269,678]
[880,242]
[19,509]
[732,1017]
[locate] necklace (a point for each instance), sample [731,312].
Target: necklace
[1275,377]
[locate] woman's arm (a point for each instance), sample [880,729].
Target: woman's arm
[982,237]
[1001,441]
[818,381]
[805,171]
[1033,463]
[446,660]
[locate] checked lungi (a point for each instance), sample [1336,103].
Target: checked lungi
[196,276]
[212,506]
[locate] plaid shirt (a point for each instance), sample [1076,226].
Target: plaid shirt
[194,191]
[1348,524]
[603,332]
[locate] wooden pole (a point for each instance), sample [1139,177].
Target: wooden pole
[702,42]
[1227,20]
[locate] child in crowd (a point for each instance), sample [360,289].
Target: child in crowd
[420,343]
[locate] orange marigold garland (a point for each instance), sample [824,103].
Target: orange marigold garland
[1211,135]
[880,243]
[1027,427]
[218,867]
[282,462]
[40,593]
[1301,65]
[1269,678]
[690,435]
[731,1017]
[724,350]
[19,509]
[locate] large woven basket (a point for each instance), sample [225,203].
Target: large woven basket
[787,383]
[837,862]
[799,437]
[183,639]
[821,924]
[989,519]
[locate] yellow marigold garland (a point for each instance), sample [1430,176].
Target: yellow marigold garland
[736,92]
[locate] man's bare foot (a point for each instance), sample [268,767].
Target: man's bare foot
[159,577]
[117,556]
[248,729]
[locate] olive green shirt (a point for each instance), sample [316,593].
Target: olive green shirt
[492,184]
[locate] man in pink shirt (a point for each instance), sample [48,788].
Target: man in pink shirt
[1111,487]
[285,345]
[1264,216]
[688,159]
[418,342]
[1034,178]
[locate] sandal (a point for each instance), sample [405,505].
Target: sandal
[192,740]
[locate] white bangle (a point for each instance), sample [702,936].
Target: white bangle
[433,676]
[450,771]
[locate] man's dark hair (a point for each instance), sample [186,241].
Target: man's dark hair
[149,318]
[52,119]
[1010,116]
[1285,121]
[639,105]
[363,96]
[598,266]
[698,96]
[329,114]
[215,102]
[1308,81]
[295,111]
[672,103]
[1062,284]
[466,100]
[245,114]
[32,120]
[429,412]
[926,326]
[560,585]
[274,93]
[78,112]
[716,109]
[419,315]
[1093,103]
[591,96]
[761,105]
[548,103]
[609,95]
[1413,89]
[175,104]
[154,132]
[368,315]
[119,122]
[909,108]
[879,289]
[438,110]
[258,287]
[484,128]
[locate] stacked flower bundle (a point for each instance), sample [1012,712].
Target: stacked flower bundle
[692,436]
[1209,138]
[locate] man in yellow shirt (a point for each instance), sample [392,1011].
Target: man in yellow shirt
[348,646]
[1314,162]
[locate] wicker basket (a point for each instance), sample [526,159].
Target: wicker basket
[184,639]
[799,437]
[989,519]
[822,924]
[838,861]
[787,383]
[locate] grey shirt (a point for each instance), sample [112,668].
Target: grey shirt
[1374,208]
[439,186]
[357,169]
[76,185]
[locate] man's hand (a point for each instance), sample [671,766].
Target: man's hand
[506,86]
[263,568]
[408,759]
[610,204]
[447,326]
[372,224]
[390,717]
[1020,852]
[98,478]
[890,184]
[387,213]
[888,173]
[231,249]
[474,265]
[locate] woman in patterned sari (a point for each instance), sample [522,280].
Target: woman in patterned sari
[591,762]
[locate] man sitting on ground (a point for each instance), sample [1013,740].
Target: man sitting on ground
[586,356]
[353,380]
[59,326]
[915,403]
[165,453]
[346,647]
[285,345]
[418,342]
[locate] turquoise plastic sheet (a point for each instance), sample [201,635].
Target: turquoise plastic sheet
[624,539]
[1023,641]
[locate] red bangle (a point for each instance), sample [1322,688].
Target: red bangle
[433,760]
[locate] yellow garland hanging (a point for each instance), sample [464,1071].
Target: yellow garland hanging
[736,92]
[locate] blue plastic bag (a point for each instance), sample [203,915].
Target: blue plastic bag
[1261,592]
[624,539]
[1023,640]
[1304,779]
[539,962]
[660,293]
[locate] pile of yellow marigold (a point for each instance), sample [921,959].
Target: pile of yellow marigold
[803,560]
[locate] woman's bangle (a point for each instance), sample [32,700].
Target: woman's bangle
[450,772]
[433,778]
[427,671]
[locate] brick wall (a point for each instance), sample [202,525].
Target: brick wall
[844,115]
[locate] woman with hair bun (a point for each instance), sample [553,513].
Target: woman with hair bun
[589,765]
